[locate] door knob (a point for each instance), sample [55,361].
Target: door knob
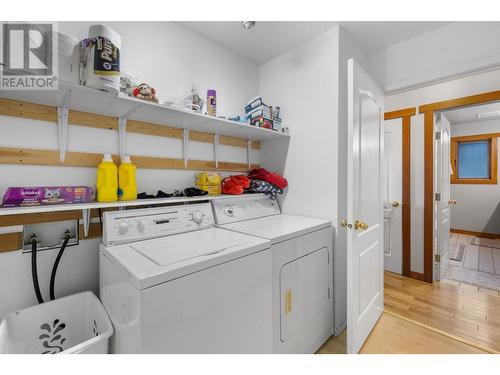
[452,201]
[395,204]
[359,225]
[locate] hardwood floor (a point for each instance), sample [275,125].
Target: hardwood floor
[461,311]
[393,335]
[444,317]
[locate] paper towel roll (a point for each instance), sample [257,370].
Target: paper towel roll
[103,62]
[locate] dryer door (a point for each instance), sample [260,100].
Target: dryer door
[304,291]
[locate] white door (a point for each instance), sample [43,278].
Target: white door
[442,201]
[365,256]
[393,186]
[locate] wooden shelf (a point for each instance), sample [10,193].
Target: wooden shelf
[118,204]
[85,99]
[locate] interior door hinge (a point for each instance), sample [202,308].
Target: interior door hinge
[437,197]
[329,292]
[438,136]
[437,258]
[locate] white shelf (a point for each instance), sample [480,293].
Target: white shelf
[100,102]
[93,205]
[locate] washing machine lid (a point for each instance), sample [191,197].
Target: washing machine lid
[279,228]
[152,262]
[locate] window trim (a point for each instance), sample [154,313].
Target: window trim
[492,138]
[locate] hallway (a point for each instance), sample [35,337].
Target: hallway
[475,261]
[444,317]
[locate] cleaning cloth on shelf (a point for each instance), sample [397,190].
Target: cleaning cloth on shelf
[194,192]
[235,185]
[260,186]
[271,177]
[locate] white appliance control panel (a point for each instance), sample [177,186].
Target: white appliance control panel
[230,210]
[142,224]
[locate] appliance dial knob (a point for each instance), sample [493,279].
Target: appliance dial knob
[228,210]
[197,216]
[123,227]
[141,226]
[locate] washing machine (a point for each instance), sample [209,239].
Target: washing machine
[172,282]
[302,268]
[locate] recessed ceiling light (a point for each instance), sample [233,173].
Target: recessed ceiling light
[488,114]
[248,24]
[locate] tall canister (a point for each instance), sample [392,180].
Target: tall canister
[101,59]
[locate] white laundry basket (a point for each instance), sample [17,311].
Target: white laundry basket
[72,324]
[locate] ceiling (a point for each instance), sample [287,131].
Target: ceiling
[468,114]
[269,39]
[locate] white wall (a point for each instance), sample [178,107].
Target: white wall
[304,82]
[170,58]
[473,84]
[310,84]
[452,50]
[478,206]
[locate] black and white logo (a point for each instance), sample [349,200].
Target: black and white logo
[28,56]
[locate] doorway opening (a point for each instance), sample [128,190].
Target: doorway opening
[439,173]
[467,204]
[397,192]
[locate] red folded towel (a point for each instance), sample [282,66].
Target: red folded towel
[271,177]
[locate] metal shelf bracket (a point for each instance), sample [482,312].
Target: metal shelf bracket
[62,124]
[86,221]
[122,136]
[122,130]
[249,153]
[185,143]
[216,149]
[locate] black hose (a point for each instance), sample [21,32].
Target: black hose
[34,271]
[67,236]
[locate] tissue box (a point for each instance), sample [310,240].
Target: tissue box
[253,103]
[46,195]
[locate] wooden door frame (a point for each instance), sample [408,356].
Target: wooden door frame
[428,110]
[405,114]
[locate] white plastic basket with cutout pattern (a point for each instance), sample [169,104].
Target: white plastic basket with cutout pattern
[76,324]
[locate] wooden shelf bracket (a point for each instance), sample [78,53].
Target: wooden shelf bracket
[216,150]
[62,123]
[185,143]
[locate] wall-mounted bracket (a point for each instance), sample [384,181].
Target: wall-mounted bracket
[216,149]
[185,144]
[249,153]
[122,130]
[86,221]
[62,123]
[122,136]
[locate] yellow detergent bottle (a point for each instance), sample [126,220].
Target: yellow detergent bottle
[127,186]
[107,180]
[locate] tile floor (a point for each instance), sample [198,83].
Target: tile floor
[480,265]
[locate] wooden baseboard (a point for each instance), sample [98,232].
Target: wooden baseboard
[492,236]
